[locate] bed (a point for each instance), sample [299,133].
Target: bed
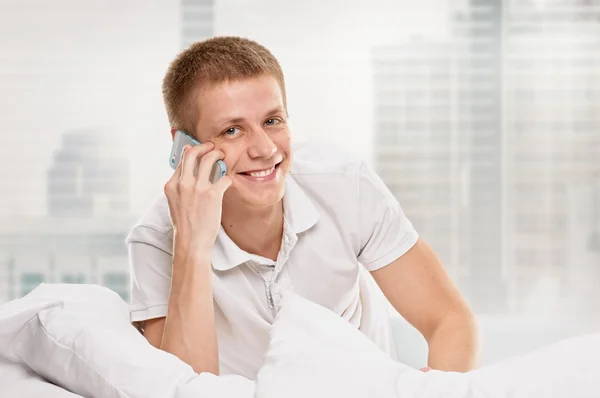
[65,341]
[18,381]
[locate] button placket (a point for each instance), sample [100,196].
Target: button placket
[289,241]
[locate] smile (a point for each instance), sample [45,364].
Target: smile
[261,175]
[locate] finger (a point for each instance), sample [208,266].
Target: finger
[222,185]
[176,176]
[207,163]
[190,159]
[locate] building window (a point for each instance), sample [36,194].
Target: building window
[117,282]
[73,278]
[29,281]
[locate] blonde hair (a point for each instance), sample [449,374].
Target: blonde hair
[210,62]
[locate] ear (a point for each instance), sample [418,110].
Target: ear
[173,130]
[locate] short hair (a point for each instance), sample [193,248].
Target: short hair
[207,63]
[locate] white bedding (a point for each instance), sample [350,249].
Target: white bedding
[80,337]
[20,382]
[314,353]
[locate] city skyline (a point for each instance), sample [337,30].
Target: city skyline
[81,239]
[81,236]
[89,175]
[103,66]
[552,91]
[197,20]
[542,142]
[452,169]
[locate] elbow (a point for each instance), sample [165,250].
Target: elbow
[460,320]
[212,367]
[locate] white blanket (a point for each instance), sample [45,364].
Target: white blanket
[18,381]
[79,337]
[314,353]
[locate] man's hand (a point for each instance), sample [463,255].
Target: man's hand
[195,205]
[425,369]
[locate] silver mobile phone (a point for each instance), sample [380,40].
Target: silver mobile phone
[182,139]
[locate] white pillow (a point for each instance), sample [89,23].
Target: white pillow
[315,353]
[80,337]
[567,368]
[17,380]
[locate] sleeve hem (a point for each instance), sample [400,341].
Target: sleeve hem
[405,245]
[154,311]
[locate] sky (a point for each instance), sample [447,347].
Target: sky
[69,64]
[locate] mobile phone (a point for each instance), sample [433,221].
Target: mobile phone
[182,139]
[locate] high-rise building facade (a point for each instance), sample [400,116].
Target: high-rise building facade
[89,175]
[82,238]
[477,31]
[420,152]
[197,20]
[38,250]
[552,143]
[511,97]
[444,149]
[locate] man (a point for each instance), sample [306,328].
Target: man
[208,260]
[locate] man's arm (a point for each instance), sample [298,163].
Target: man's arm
[153,330]
[419,288]
[188,331]
[195,207]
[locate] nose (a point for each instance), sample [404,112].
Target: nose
[261,145]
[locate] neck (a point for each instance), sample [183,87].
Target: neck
[254,230]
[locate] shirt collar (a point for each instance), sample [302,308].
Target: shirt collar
[299,212]
[298,209]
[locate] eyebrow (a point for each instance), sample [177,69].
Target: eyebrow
[236,120]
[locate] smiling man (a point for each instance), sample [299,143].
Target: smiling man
[209,261]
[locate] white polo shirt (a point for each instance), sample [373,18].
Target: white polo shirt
[340,220]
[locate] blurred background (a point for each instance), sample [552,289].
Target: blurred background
[482,117]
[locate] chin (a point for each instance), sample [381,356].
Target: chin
[264,199]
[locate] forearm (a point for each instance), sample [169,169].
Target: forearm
[454,345]
[189,331]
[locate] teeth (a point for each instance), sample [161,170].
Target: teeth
[263,173]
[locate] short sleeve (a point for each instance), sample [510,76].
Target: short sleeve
[150,265]
[385,232]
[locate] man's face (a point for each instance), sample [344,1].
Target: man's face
[247,121]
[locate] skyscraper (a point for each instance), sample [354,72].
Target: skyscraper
[420,152]
[82,239]
[64,250]
[448,96]
[552,141]
[523,136]
[478,34]
[89,175]
[197,18]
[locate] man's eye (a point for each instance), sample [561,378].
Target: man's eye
[232,131]
[272,122]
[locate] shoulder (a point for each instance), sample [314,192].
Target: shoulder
[339,180]
[330,177]
[329,170]
[324,160]
[154,227]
